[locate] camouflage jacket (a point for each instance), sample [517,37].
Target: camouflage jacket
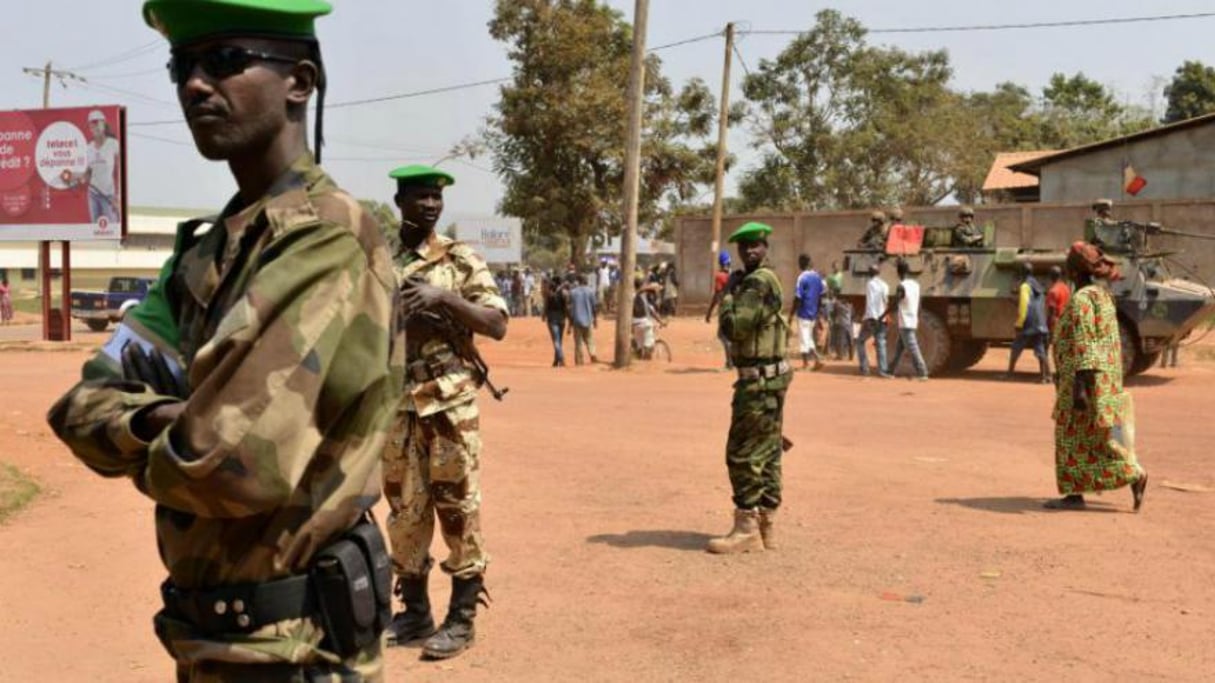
[452,265]
[286,325]
[750,317]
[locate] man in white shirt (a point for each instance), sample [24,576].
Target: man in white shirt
[102,172]
[874,322]
[907,303]
[602,279]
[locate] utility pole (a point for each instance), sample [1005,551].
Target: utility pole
[719,178]
[632,179]
[44,247]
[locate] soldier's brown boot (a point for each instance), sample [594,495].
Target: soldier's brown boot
[743,538]
[415,622]
[458,632]
[767,527]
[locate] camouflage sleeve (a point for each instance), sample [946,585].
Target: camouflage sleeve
[478,284]
[749,307]
[266,388]
[94,419]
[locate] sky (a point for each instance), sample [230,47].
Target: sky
[375,48]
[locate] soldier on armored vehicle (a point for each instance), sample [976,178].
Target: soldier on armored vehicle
[966,233]
[875,236]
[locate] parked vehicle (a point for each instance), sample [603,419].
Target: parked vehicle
[968,298]
[99,309]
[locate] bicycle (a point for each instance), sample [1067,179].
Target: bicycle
[661,350]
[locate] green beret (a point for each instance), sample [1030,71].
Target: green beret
[751,232]
[420,174]
[187,21]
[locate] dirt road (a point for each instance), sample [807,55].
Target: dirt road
[914,545]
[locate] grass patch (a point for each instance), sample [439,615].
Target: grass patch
[16,490]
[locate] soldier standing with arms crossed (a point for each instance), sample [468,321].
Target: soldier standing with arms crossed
[262,448]
[750,317]
[432,461]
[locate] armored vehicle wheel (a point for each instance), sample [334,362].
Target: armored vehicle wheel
[1130,349]
[965,354]
[1145,361]
[97,325]
[934,341]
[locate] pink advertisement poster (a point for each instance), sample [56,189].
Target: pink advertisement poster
[63,174]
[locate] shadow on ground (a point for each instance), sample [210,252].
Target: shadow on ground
[1019,505]
[654,538]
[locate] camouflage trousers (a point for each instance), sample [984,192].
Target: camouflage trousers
[753,448]
[432,467]
[284,652]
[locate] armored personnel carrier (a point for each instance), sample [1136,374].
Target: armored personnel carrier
[968,294]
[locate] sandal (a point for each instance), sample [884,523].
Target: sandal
[1072,502]
[1138,489]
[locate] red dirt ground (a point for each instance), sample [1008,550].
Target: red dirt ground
[602,486]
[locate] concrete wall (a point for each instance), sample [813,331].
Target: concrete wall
[1176,165]
[824,236]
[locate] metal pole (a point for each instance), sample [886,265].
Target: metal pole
[44,248]
[632,179]
[719,178]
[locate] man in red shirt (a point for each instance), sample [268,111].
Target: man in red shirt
[720,279]
[1057,296]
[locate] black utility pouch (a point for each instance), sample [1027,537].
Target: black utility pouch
[369,539]
[343,582]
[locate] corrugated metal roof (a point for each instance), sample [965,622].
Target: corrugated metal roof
[1002,177]
[1034,166]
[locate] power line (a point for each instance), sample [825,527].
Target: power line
[145,136]
[1004,27]
[115,90]
[687,41]
[416,93]
[120,57]
[128,74]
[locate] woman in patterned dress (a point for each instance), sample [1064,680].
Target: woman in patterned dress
[1094,415]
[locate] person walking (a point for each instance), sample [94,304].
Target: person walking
[432,464]
[1094,415]
[584,318]
[255,417]
[720,278]
[6,301]
[1030,325]
[645,316]
[808,292]
[1057,296]
[873,324]
[907,303]
[556,310]
[751,317]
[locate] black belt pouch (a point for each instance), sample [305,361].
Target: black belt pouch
[349,578]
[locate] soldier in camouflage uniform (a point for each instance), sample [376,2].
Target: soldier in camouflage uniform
[966,233]
[750,317]
[250,396]
[432,461]
[875,235]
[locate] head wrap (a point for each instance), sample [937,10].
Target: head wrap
[1089,259]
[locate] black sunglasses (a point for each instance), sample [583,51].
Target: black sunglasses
[218,62]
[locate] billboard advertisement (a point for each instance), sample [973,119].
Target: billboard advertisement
[498,240]
[63,174]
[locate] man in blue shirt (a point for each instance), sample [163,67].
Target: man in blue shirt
[806,298]
[584,313]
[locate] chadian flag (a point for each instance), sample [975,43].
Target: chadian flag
[1132,182]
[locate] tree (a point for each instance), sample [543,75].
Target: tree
[557,138]
[1077,111]
[1191,92]
[842,124]
[386,216]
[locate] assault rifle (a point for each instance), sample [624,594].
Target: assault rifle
[461,340]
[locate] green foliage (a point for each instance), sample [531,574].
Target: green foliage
[16,490]
[1191,92]
[558,136]
[842,124]
[386,216]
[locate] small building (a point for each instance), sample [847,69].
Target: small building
[1006,186]
[1176,161]
[149,243]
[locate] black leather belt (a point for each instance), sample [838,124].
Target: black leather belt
[769,371]
[241,608]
